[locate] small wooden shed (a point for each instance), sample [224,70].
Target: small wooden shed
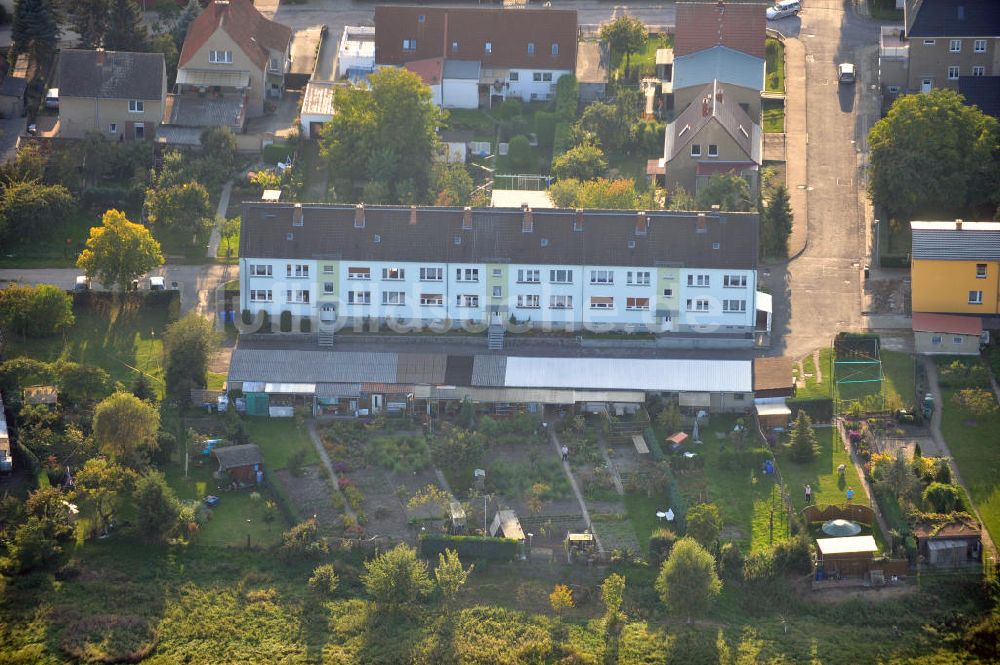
[848,557]
[948,544]
[47,395]
[506,525]
[241,463]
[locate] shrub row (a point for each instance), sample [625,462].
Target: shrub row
[473,547]
[819,409]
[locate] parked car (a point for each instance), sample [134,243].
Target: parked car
[845,72]
[783,8]
[82,283]
[52,98]
[156,284]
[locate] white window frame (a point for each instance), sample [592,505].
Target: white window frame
[297,296]
[560,302]
[432,274]
[409,44]
[536,77]
[956,340]
[700,280]
[529,301]
[978,70]
[394,298]
[981,270]
[514,76]
[498,292]
[328,287]
[561,276]
[954,71]
[734,281]
[711,152]
[136,106]
[602,276]
[113,128]
[531,48]
[955,46]
[605,302]
[668,293]
[255,295]
[637,278]
[734,306]
[359,297]
[359,272]
[297,270]
[328,269]
[979,46]
[261,270]
[936,339]
[529,276]
[975,297]
[394,274]
[697,305]
[547,76]
[431,299]
[555,48]
[632,304]
[467,300]
[466,274]
[488,48]
[220,57]
[696,150]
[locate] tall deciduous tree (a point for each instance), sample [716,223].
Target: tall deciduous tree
[584,162]
[187,344]
[24,203]
[126,29]
[396,578]
[35,28]
[687,582]
[396,111]
[450,575]
[625,35]
[933,155]
[125,429]
[704,524]
[119,251]
[452,184]
[184,206]
[100,482]
[727,190]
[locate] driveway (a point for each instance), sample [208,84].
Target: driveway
[819,292]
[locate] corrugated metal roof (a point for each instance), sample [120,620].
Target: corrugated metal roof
[719,63]
[338,390]
[631,374]
[290,388]
[847,545]
[278,366]
[976,241]
[489,370]
[421,368]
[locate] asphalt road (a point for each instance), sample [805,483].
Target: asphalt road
[819,292]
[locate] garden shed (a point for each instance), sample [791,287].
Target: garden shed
[506,525]
[243,464]
[773,415]
[947,544]
[848,557]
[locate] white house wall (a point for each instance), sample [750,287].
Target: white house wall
[527,88]
[504,282]
[460,94]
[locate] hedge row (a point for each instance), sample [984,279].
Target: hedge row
[820,409]
[472,547]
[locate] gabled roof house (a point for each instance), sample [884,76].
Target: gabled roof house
[518,52]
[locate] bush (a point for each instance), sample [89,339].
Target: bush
[521,156]
[977,401]
[324,580]
[733,460]
[941,498]
[731,563]
[820,410]
[567,98]
[963,374]
[563,138]
[661,542]
[285,324]
[354,496]
[471,547]
[793,556]
[303,541]
[295,461]
[545,128]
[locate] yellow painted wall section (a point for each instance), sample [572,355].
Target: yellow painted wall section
[943,286]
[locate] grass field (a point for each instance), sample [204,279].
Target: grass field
[774,115]
[53,251]
[774,78]
[815,388]
[278,439]
[123,338]
[643,63]
[897,370]
[820,473]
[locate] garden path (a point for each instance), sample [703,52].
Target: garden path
[930,367]
[613,468]
[576,488]
[321,450]
[863,479]
[817,367]
[216,236]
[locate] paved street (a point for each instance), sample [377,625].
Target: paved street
[818,293]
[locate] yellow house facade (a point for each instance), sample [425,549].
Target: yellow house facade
[955,267]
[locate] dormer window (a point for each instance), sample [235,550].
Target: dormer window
[454,47]
[555,48]
[220,57]
[531,48]
[488,48]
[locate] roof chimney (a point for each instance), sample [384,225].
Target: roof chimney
[467,218]
[297,215]
[359,216]
[641,223]
[702,226]
[100,57]
[578,220]
[718,95]
[704,105]
[413,215]
[527,219]
[958,225]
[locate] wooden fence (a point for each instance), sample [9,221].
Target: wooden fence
[854,512]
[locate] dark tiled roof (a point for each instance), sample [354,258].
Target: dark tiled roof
[952,18]
[713,103]
[509,32]
[729,240]
[124,75]
[702,25]
[981,91]
[773,374]
[13,86]
[231,457]
[244,24]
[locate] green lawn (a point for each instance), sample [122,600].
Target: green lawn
[121,338]
[814,389]
[774,78]
[642,513]
[973,442]
[897,370]
[278,439]
[53,251]
[643,63]
[630,166]
[820,473]
[230,243]
[177,245]
[774,115]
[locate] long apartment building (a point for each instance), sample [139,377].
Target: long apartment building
[661,272]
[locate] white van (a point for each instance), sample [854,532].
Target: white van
[52,98]
[156,283]
[783,8]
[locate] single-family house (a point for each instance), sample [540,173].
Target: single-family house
[499,53]
[701,25]
[232,61]
[741,73]
[117,93]
[940,42]
[955,267]
[712,135]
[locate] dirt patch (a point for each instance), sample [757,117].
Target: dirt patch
[890,296]
[309,494]
[383,508]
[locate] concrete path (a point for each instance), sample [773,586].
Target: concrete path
[576,488]
[796,140]
[215,239]
[321,450]
[930,368]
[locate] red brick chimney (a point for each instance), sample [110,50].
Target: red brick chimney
[527,219]
[641,223]
[297,215]
[702,226]
[958,225]
[413,215]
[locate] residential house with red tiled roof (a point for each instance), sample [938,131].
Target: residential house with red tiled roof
[485,54]
[232,61]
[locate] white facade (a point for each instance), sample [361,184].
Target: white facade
[533,84]
[653,299]
[357,49]
[458,94]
